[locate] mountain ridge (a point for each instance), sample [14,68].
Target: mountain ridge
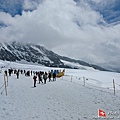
[16,51]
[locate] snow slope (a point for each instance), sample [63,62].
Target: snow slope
[64,99]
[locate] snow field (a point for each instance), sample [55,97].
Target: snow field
[64,99]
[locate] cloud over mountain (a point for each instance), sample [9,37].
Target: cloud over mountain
[82,29]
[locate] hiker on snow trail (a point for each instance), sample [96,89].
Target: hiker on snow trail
[54,76]
[49,76]
[21,71]
[31,72]
[40,77]
[45,77]
[35,79]
[17,74]
[6,72]
[10,72]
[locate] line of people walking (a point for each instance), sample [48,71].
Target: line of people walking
[43,76]
[40,76]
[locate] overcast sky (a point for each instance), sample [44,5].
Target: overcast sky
[67,28]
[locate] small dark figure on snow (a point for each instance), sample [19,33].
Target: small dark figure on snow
[24,71]
[49,76]
[17,74]
[10,72]
[5,72]
[15,71]
[28,73]
[36,73]
[35,79]
[54,76]
[21,71]
[45,77]
[31,72]
[40,78]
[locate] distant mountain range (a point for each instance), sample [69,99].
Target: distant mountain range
[109,10]
[38,54]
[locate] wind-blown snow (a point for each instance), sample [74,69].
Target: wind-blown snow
[5,47]
[77,65]
[45,57]
[37,49]
[64,99]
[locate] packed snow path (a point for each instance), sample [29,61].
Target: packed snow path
[59,100]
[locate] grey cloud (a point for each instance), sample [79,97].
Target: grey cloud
[53,24]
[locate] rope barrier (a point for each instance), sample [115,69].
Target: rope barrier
[2,86]
[109,87]
[117,89]
[108,84]
[2,91]
[92,79]
[117,84]
[93,87]
[87,79]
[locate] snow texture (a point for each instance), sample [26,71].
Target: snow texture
[67,98]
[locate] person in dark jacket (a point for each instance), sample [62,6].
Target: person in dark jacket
[40,77]
[17,74]
[49,76]
[21,71]
[5,72]
[45,77]
[10,72]
[35,79]
[31,72]
[54,76]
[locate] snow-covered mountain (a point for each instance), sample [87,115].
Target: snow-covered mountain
[83,25]
[38,54]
